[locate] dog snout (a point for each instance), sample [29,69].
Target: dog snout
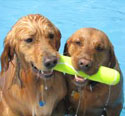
[50,62]
[84,64]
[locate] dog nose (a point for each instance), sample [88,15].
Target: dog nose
[84,64]
[50,62]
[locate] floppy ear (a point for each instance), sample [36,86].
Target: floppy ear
[112,57]
[6,57]
[58,39]
[65,52]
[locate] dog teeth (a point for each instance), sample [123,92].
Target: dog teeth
[78,79]
[42,72]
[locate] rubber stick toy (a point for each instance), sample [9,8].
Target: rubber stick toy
[104,75]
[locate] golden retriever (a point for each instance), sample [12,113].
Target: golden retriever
[29,86]
[89,48]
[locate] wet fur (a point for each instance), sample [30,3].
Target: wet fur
[21,88]
[83,44]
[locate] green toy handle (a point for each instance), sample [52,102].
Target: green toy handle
[104,75]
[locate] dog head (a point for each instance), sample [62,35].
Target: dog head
[89,49]
[34,40]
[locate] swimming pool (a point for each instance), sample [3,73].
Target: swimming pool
[70,15]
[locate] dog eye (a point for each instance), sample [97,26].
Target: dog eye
[78,42]
[99,48]
[51,35]
[29,40]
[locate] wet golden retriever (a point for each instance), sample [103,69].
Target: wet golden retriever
[29,86]
[90,48]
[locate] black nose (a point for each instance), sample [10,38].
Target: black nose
[50,62]
[84,64]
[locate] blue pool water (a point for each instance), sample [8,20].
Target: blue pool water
[70,15]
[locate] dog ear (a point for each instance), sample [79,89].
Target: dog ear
[6,57]
[112,57]
[17,79]
[65,52]
[58,39]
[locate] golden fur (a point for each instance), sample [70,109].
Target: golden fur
[31,40]
[92,47]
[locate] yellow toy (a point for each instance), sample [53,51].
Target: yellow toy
[104,75]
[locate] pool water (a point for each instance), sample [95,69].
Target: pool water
[70,15]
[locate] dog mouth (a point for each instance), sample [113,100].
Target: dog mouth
[40,73]
[79,81]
